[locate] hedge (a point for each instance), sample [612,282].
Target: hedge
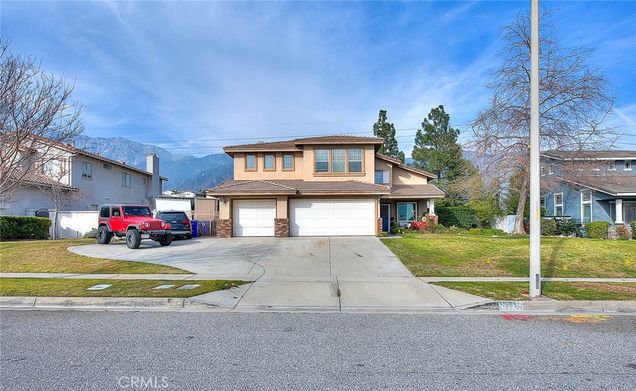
[633,224]
[559,227]
[458,216]
[597,229]
[24,227]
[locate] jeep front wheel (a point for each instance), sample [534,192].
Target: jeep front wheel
[165,240]
[104,235]
[133,238]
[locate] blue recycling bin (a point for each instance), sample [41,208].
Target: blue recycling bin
[195,228]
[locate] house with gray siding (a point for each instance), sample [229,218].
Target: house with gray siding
[91,179]
[590,185]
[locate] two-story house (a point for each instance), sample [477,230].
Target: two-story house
[320,186]
[590,185]
[91,179]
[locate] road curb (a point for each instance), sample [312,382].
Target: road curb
[187,304]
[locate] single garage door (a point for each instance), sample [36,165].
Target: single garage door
[254,217]
[331,217]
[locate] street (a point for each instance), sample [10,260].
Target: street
[179,350]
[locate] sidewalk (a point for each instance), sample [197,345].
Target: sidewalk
[247,277]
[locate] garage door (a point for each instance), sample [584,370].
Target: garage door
[254,217]
[332,217]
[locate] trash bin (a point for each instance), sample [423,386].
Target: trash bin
[195,228]
[205,231]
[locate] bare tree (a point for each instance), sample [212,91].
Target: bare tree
[35,113]
[574,105]
[57,189]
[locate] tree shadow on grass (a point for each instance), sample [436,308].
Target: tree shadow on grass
[553,258]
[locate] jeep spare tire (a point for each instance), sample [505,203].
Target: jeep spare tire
[165,240]
[104,235]
[133,238]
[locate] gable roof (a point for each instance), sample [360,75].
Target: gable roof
[405,166]
[590,155]
[416,191]
[296,144]
[615,185]
[292,187]
[33,179]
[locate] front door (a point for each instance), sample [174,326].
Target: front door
[385,215]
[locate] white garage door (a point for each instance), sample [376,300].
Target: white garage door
[332,217]
[254,217]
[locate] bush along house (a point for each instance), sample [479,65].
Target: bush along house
[589,185]
[320,186]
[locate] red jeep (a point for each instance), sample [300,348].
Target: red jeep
[135,222]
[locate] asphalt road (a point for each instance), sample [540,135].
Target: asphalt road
[64,350]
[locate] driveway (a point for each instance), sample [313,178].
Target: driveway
[317,274]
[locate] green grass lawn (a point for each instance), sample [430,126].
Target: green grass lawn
[553,289]
[466,255]
[63,287]
[52,256]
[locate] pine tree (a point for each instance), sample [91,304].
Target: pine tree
[386,130]
[436,148]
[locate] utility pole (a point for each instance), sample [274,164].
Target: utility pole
[535,180]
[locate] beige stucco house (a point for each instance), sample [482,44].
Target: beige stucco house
[320,186]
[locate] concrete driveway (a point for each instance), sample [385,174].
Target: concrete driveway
[315,274]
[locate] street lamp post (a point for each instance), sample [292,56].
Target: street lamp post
[535,184]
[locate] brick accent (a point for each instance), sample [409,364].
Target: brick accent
[281,228]
[432,219]
[224,228]
[378,227]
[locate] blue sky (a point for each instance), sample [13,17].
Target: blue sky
[195,76]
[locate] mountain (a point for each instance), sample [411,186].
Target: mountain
[184,172]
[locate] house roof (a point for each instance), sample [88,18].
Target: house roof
[616,185]
[31,178]
[416,191]
[295,144]
[292,187]
[590,155]
[405,166]
[75,150]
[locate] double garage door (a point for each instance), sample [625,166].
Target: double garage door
[308,217]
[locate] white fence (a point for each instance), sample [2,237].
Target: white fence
[506,223]
[73,224]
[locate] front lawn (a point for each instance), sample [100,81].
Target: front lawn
[478,256]
[556,290]
[64,287]
[52,256]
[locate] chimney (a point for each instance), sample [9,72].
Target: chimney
[152,166]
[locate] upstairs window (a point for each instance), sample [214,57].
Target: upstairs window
[87,170]
[542,170]
[126,179]
[269,163]
[338,160]
[381,177]
[250,162]
[107,166]
[288,162]
[53,168]
[550,169]
[558,204]
[355,160]
[322,160]
[628,165]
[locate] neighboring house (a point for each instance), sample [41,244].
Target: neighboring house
[590,185]
[320,186]
[92,178]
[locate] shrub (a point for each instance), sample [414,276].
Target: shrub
[597,229]
[567,227]
[420,225]
[24,227]
[622,232]
[459,216]
[549,227]
[633,224]
[91,234]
